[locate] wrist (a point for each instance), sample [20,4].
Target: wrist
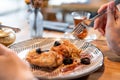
[114,46]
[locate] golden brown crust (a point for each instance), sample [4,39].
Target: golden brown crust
[45,59]
[55,56]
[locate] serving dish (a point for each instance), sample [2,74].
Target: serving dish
[23,47]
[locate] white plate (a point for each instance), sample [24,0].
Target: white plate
[96,61]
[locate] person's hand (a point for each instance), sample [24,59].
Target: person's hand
[100,22]
[113,29]
[11,67]
[109,25]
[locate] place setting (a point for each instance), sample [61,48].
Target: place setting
[60,58]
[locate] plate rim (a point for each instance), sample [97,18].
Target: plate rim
[72,77]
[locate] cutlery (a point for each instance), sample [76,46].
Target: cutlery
[86,23]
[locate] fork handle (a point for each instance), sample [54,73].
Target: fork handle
[98,14]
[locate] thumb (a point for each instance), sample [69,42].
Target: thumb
[110,14]
[4,50]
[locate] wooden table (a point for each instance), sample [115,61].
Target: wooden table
[111,67]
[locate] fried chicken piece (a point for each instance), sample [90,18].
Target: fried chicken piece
[44,59]
[67,49]
[61,49]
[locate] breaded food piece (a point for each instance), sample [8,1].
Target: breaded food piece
[54,57]
[44,59]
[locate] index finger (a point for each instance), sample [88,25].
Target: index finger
[104,7]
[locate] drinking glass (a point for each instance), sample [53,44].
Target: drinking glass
[79,17]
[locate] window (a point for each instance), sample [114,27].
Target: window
[7,6]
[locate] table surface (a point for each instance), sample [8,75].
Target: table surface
[110,70]
[111,67]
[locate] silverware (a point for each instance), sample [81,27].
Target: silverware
[14,29]
[86,23]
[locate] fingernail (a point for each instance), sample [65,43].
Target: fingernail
[110,9]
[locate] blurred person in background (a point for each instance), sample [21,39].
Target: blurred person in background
[109,25]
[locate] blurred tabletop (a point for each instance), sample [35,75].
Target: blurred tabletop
[91,6]
[111,67]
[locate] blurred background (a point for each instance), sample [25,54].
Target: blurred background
[15,12]
[54,10]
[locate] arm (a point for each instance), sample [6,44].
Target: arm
[11,67]
[113,28]
[109,26]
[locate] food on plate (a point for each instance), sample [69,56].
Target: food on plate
[62,53]
[67,61]
[85,60]
[67,49]
[45,58]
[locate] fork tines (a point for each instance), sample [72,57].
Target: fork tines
[78,29]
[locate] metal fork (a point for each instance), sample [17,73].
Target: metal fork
[86,23]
